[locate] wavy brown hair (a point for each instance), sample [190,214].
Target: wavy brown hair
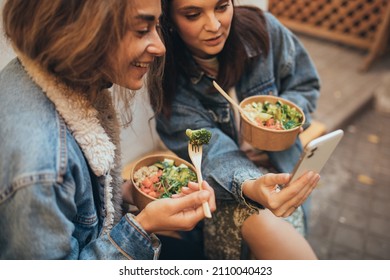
[70,38]
[248,31]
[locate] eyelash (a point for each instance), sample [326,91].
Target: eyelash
[143,32]
[146,31]
[220,8]
[223,7]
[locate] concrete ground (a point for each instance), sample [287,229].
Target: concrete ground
[350,209]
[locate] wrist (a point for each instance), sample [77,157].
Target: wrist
[246,188]
[142,221]
[249,194]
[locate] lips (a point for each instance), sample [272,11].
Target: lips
[214,41]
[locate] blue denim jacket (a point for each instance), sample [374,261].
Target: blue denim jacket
[287,72]
[51,204]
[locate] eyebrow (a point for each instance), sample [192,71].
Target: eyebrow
[188,8]
[145,17]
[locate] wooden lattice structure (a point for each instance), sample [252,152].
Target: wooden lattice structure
[364,24]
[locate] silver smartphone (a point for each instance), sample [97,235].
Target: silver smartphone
[316,153]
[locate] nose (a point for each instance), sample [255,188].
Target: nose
[156,47]
[212,24]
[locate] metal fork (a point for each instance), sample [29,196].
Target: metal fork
[195,153]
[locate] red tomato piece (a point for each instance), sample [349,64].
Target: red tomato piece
[154,179]
[153,194]
[270,122]
[145,189]
[147,182]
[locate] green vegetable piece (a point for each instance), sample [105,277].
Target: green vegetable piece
[169,161]
[264,116]
[199,137]
[159,165]
[174,178]
[290,124]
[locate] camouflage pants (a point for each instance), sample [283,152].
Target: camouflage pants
[222,233]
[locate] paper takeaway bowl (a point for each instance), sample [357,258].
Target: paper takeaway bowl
[142,199]
[265,138]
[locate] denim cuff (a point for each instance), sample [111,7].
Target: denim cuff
[133,241]
[240,176]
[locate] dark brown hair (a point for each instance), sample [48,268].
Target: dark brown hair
[248,31]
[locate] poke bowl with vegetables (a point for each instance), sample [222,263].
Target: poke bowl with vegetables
[159,176]
[270,123]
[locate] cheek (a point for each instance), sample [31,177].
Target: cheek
[129,48]
[189,31]
[226,21]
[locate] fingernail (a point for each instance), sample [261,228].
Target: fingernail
[310,175]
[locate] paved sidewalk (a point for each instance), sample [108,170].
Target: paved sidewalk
[350,209]
[350,214]
[344,90]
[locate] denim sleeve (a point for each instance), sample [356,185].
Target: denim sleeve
[127,240]
[39,222]
[296,76]
[224,166]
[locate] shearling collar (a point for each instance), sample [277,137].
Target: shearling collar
[89,124]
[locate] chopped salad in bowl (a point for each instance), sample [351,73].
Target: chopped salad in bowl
[279,116]
[163,178]
[270,123]
[159,176]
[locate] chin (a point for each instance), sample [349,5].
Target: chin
[135,86]
[214,50]
[134,83]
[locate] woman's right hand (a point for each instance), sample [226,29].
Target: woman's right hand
[181,213]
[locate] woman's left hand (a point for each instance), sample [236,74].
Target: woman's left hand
[282,203]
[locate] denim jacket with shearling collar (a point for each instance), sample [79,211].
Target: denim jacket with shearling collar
[60,199]
[287,72]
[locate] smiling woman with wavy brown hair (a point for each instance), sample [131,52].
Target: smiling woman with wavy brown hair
[60,163]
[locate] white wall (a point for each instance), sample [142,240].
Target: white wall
[140,137]
[6,52]
[261,3]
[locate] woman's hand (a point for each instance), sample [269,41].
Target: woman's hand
[180,213]
[283,203]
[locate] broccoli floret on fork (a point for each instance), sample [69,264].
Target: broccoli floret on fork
[199,136]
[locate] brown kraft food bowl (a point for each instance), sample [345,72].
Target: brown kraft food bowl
[265,138]
[142,199]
